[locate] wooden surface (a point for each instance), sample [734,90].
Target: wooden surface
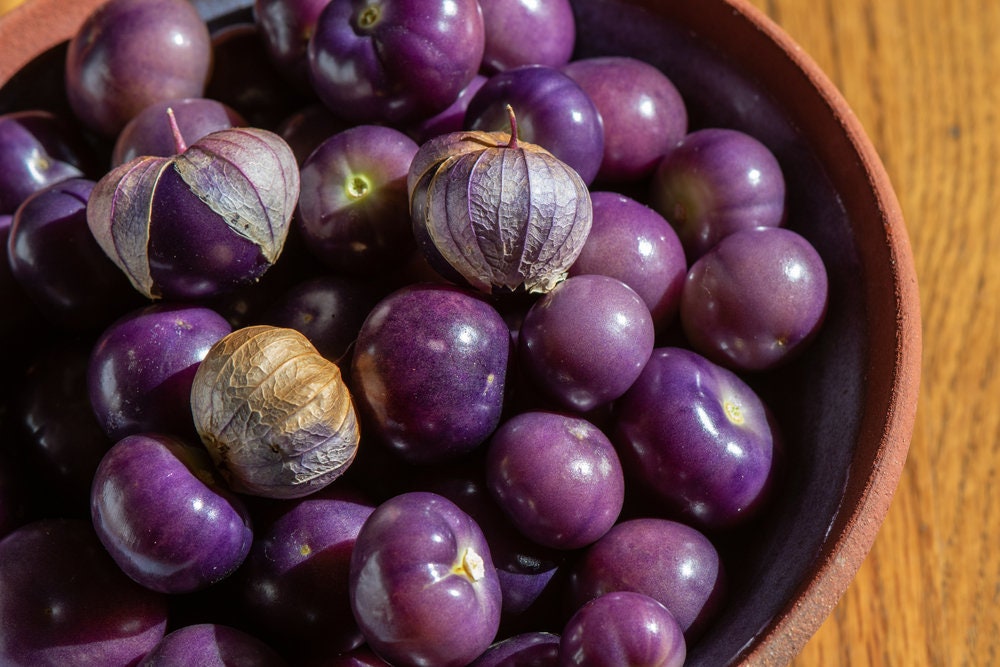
[923,77]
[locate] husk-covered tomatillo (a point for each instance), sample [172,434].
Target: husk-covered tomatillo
[499,214]
[274,414]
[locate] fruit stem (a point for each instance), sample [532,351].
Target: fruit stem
[179,142]
[513,127]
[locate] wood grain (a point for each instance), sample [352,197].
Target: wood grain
[923,76]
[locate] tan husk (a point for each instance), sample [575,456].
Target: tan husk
[274,414]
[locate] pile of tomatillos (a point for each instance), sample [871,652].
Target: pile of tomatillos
[380,332]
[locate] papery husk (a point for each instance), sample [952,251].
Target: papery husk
[274,414]
[503,217]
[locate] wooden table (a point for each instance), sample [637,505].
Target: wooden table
[923,76]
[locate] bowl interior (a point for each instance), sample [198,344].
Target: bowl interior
[846,408]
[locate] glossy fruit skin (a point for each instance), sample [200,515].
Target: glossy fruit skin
[671,562]
[527,649]
[520,32]
[57,262]
[756,299]
[557,477]
[423,586]
[429,371]
[211,645]
[294,584]
[452,118]
[642,112]
[129,54]
[630,241]
[552,111]
[149,132]
[193,253]
[166,516]
[141,368]
[585,342]
[104,617]
[37,149]
[622,628]
[394,61]
[698,438]
[715,182]
[354,209]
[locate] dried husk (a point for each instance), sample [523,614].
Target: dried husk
[274,414]
[246,176]
[505,215]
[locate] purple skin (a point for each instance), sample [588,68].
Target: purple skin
[36,150]
[129,54]
[354,209]
[328,310]
[643,113]
[552,110]
[622,628]
[557,477]
[670,562]
[21,320]
[423,586]
[395,61]
[193,253]
[295,581]
[451,119]
[585,342]
[429,371]
[521,32]
[212,645]
[165,515]
[524,568]
[756,299]
[57,262]
[141,368]
[63,438]
[150,133]
[528,649]
[307,128]
[64,602]
[285,27]
[633,243]
[714,182]
[698,438]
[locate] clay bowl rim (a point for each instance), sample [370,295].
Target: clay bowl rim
[36,26]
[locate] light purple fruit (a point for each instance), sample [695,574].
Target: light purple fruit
[423,586]
[670,562]
[756,299]
[642,112]
[527,32]
[429,371]
[585,342]
[165,515]
[697,437]
[633,243]
[557,477]
[715,182]
[622,628]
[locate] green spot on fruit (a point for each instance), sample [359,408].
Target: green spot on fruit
[734,412]
[369,16]
[357,187]
[305,550]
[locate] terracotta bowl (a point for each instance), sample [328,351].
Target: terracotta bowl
[848,406]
